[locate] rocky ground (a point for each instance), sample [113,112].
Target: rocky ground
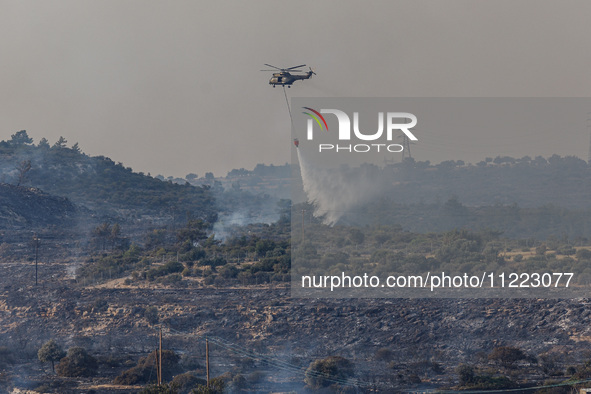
[252,329]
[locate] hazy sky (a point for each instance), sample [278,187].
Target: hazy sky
[172,87]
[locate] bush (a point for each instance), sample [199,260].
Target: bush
[518,258]
[324,373]
[256,377]
[51,352]
[132,376]
[100,305]
[414,379]
[151,315]
[108,266]
[541,250]
[558,389]
[171,267]
[583,372]
[492,383]
[583,254]
[566,250]
[239,382]
[215,262]
[186,381]
[164,388]
[466,374]
[426,366]
[469,380]
[145,367]
[53,386]
[78,363]
[507,356]
[172,279]
[228,271]
[216,386]
[187,272]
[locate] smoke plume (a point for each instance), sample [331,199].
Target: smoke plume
[336,192]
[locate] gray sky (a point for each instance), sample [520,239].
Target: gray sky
[172,87]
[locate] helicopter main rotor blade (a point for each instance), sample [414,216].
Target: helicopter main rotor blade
[285,70]
[273,66]
[291,68]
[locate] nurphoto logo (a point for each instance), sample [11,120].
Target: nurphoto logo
[395,121]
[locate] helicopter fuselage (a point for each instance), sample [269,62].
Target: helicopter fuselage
[287,79]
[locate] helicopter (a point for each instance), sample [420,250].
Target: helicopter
[283,76]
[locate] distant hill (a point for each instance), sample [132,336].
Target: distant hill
[561,181]
[98,183]
[502,192]
[521,197]
[30,207]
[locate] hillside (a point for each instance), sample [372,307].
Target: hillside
[22,207]
[563,181]
[97,183]
[388,340]
[121,254]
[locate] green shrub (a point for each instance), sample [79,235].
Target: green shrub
[216,386]
[51,352]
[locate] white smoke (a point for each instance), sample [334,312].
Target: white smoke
[225,225]
[335,192]
[72,269]
[229,224]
